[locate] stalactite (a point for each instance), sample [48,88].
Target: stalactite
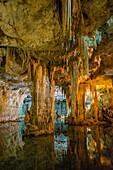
[39,75]
[82,54]
[23,63]
[66,46]
[8,60]
[28,57]
[13,54]
[24,59]
[25,55]
[29,71]
[82,21]
[69,20]
[52,94]
[64,16]
[86,60]
[34,68]
[95,42]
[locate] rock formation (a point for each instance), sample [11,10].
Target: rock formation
[66,43]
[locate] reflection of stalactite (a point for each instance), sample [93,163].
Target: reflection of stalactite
[78,148]
[96,137]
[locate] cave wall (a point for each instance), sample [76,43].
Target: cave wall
[11,102]
[31,24]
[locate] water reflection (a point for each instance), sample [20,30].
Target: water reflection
[75,148]
[89,148]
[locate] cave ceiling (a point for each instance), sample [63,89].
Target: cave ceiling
[35,32]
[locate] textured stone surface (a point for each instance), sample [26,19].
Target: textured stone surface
[11,101]
[96,13]
[29,24]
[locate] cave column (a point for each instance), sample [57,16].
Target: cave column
[95,102]
[81,109]
[74,81]
[41,118]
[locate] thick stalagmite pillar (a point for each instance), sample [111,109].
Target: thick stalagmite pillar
[81,107]
[95,102]
[42,113]
[74,81]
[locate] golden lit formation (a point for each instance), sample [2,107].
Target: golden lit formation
[56,84]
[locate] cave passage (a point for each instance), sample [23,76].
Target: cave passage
[56,84]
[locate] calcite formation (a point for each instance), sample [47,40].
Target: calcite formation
[56,42]
[41,118]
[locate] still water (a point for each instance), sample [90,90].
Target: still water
[69,148]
